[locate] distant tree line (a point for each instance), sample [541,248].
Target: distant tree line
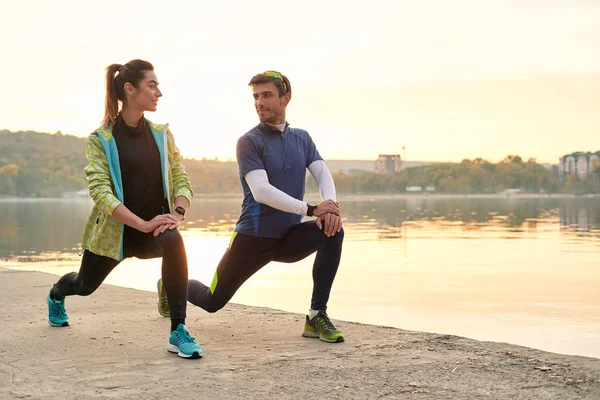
[469,177]
[36,164]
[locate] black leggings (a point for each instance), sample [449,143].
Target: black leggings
[248,254]
[95,268]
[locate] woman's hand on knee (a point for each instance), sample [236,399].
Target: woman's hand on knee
[163,228]
[159,221]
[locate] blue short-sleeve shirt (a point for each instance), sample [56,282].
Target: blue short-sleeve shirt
[285,157]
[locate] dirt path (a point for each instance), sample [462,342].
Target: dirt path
[116,348]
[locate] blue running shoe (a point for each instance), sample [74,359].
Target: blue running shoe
[57,315]
[183,344]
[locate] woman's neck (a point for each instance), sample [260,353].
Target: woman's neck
[131,116]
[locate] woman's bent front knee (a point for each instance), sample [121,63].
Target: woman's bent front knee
[82,289]
[171,236]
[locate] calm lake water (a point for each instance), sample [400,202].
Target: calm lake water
[516,270]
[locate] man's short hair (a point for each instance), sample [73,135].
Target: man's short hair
[281,81]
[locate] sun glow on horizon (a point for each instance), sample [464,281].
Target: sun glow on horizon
[446,81]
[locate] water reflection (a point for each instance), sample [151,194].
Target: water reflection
[512,270]
[51,229]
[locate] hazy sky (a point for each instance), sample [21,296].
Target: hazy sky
[447,79]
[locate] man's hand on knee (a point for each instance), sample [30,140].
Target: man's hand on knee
[332,223]
[327,207]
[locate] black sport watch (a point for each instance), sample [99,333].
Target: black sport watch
[310,209]
[181,211]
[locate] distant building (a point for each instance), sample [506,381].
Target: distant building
[388,164]
[579,163]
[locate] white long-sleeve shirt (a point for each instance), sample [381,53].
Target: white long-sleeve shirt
[265,193]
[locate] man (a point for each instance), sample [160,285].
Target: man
[272,159]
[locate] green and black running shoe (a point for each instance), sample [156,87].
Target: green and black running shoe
[321,327]
[163,301]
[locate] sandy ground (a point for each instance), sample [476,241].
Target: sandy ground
[116,348]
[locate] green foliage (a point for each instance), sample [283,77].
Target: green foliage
[468,176]
[37,164]
[212,176]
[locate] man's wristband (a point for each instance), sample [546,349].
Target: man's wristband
[310,209]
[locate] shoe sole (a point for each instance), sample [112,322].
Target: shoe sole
[159,310]
[174,349]
[58,325]
[315,335]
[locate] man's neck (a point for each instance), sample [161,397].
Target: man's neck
[279,127]
[278,121]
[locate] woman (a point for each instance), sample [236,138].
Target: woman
[141,193]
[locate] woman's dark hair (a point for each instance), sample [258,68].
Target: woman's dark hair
[117,76]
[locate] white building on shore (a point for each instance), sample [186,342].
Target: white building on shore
[579,163]
[388,164]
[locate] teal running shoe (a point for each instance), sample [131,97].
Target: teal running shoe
[321,327]
[57,315]
[183,344]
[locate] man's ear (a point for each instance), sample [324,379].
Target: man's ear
[286,98]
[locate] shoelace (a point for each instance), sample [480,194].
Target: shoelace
[164,301]
[185,337]
[327,321]
[58,311]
